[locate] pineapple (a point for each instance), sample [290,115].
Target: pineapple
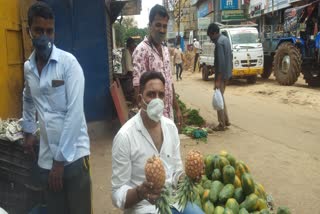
[155,173]
[194,165]
[194,168]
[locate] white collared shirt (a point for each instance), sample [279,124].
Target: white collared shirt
[57,97]
[132,146]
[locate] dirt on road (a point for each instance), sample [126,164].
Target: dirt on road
[275,130]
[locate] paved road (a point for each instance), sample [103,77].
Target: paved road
[275,129]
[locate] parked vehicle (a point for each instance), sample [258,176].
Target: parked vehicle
[294,47]
[247,53]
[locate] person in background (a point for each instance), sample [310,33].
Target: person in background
[196,46]
[152,55]
[127,56]
[223,69]
[178,59]
[146,134]
[54,89]
[127,66]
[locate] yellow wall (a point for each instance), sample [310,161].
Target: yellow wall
[11,59]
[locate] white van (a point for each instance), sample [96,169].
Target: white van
[246,49]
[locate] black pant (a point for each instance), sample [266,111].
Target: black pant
[195,61]
[178,70]
[75,197]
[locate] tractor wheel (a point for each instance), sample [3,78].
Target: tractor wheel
[205,73]
[252,79]
[287,64]
[267,67]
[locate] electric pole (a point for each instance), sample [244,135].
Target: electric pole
[179,17]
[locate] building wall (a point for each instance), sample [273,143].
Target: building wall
[11,60]
[81,30]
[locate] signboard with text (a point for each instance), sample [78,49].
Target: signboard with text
[204,22]
[232,15]
[277,5]
[229,4]
[205,8]
[255,7]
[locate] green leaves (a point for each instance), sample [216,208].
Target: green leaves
[185,192]
[164,201]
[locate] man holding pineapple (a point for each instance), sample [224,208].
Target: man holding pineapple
[146,155]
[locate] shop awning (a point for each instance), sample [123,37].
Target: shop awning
[123,7]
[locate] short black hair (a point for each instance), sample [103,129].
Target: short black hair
[150,75]
[130,41]
[213,28]
[157,10]
[40,9]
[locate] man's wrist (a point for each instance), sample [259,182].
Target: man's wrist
[28,134]
[58,163]
[139,193]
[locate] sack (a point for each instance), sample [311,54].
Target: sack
[217,100]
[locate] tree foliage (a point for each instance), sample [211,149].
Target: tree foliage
[128,28]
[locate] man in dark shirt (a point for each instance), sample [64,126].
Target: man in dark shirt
[223,69]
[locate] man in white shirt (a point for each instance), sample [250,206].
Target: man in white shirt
[196,46]
[148,133]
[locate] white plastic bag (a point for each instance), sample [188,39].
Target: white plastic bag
[217,100]
[2,211]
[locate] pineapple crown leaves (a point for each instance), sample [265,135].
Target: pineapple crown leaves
[185,192]
[164,201]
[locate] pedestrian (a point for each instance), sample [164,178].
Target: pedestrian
[54,89]
[197,49]
[148,133]
[127,66]
[223,69]
[152,55]
[178,59]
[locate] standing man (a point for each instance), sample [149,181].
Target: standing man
[223,69]
[127,66]
[146,134]
[152,55]
[196,46]
[54,89]
[178,59]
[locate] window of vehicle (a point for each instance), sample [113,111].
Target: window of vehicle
[244,36]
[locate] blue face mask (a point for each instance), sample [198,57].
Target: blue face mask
[43,46]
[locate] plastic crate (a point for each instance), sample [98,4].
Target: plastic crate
[19,179]
[17,198]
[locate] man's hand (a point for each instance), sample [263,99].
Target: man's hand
[147,192]
[179,118]
[56,176]
[28,143]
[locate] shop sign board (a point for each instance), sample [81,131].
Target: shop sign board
[205,8]
[277,5]
[256,7]
[232,15]
[203,22]
[229,4]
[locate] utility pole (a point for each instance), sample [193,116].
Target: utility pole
[179,18]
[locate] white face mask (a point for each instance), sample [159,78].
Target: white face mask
[154,109]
